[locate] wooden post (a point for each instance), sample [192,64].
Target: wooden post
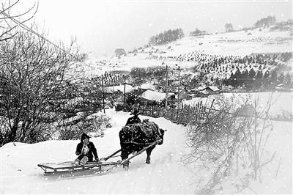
[178,100]
[124,95]
[166,88]
[103,95]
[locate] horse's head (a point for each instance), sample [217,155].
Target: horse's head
[161,135]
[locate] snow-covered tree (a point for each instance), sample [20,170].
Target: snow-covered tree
[265,22]
[31,79]
[229,27]
[9,21]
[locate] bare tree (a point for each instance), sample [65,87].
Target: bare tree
[9,21]
[32,76]
[229,27]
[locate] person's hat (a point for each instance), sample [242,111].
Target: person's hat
[83,136]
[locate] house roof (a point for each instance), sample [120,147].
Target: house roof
[128,88]
[155,95]
[214,88]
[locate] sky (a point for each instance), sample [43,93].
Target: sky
[102,26]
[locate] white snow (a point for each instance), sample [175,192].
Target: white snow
[155,95]
[165,175]
[128,88]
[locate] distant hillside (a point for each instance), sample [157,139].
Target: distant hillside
[214,59]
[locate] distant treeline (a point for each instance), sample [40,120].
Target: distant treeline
[265,22]
[261,23]
[166,37]
[251,79]
[197,32]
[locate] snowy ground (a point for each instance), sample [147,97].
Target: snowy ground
[165,175]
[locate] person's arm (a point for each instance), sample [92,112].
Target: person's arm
[128,121]
[78,149]
[95,152]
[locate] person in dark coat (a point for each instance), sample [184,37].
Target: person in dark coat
[134,119]
[86,150]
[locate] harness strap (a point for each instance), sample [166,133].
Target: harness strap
[133,142]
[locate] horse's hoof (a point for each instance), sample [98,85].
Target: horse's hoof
[126,167]
[148,161]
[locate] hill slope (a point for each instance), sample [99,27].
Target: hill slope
[240,43]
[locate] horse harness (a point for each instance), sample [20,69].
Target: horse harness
[144,125]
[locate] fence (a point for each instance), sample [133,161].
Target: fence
[179,116]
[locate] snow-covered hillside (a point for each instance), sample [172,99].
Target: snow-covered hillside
[166,174]
[239,43]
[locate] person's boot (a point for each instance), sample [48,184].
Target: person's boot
[77,162]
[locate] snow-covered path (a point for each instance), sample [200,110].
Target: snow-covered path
[165,175]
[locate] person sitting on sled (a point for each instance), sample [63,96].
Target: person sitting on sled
[134,119]
[86,150]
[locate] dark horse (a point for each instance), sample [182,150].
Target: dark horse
[135,137]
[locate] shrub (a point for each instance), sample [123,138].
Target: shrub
[226,140]
[94,124]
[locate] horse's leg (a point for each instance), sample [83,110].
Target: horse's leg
[124,155]
[149,151]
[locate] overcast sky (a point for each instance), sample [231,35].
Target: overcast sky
[102,26]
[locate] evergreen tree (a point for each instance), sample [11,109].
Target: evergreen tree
[288,80]
[166,37]
[233,80]
[266,79]
[265,22]
[251,74]
[281,78]
[229,27]
[258,81]
[273,79]
[245,77]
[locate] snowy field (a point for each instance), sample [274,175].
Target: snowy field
[166,174]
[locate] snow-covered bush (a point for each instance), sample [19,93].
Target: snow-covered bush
[93,124]
[230,142]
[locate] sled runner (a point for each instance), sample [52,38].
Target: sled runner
[70,166]
[99,167]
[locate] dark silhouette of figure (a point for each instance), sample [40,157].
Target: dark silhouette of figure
[134,119]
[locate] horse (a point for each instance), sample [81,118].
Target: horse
[135,137]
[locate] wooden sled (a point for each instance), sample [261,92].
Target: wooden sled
[99,167]
[70,166]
